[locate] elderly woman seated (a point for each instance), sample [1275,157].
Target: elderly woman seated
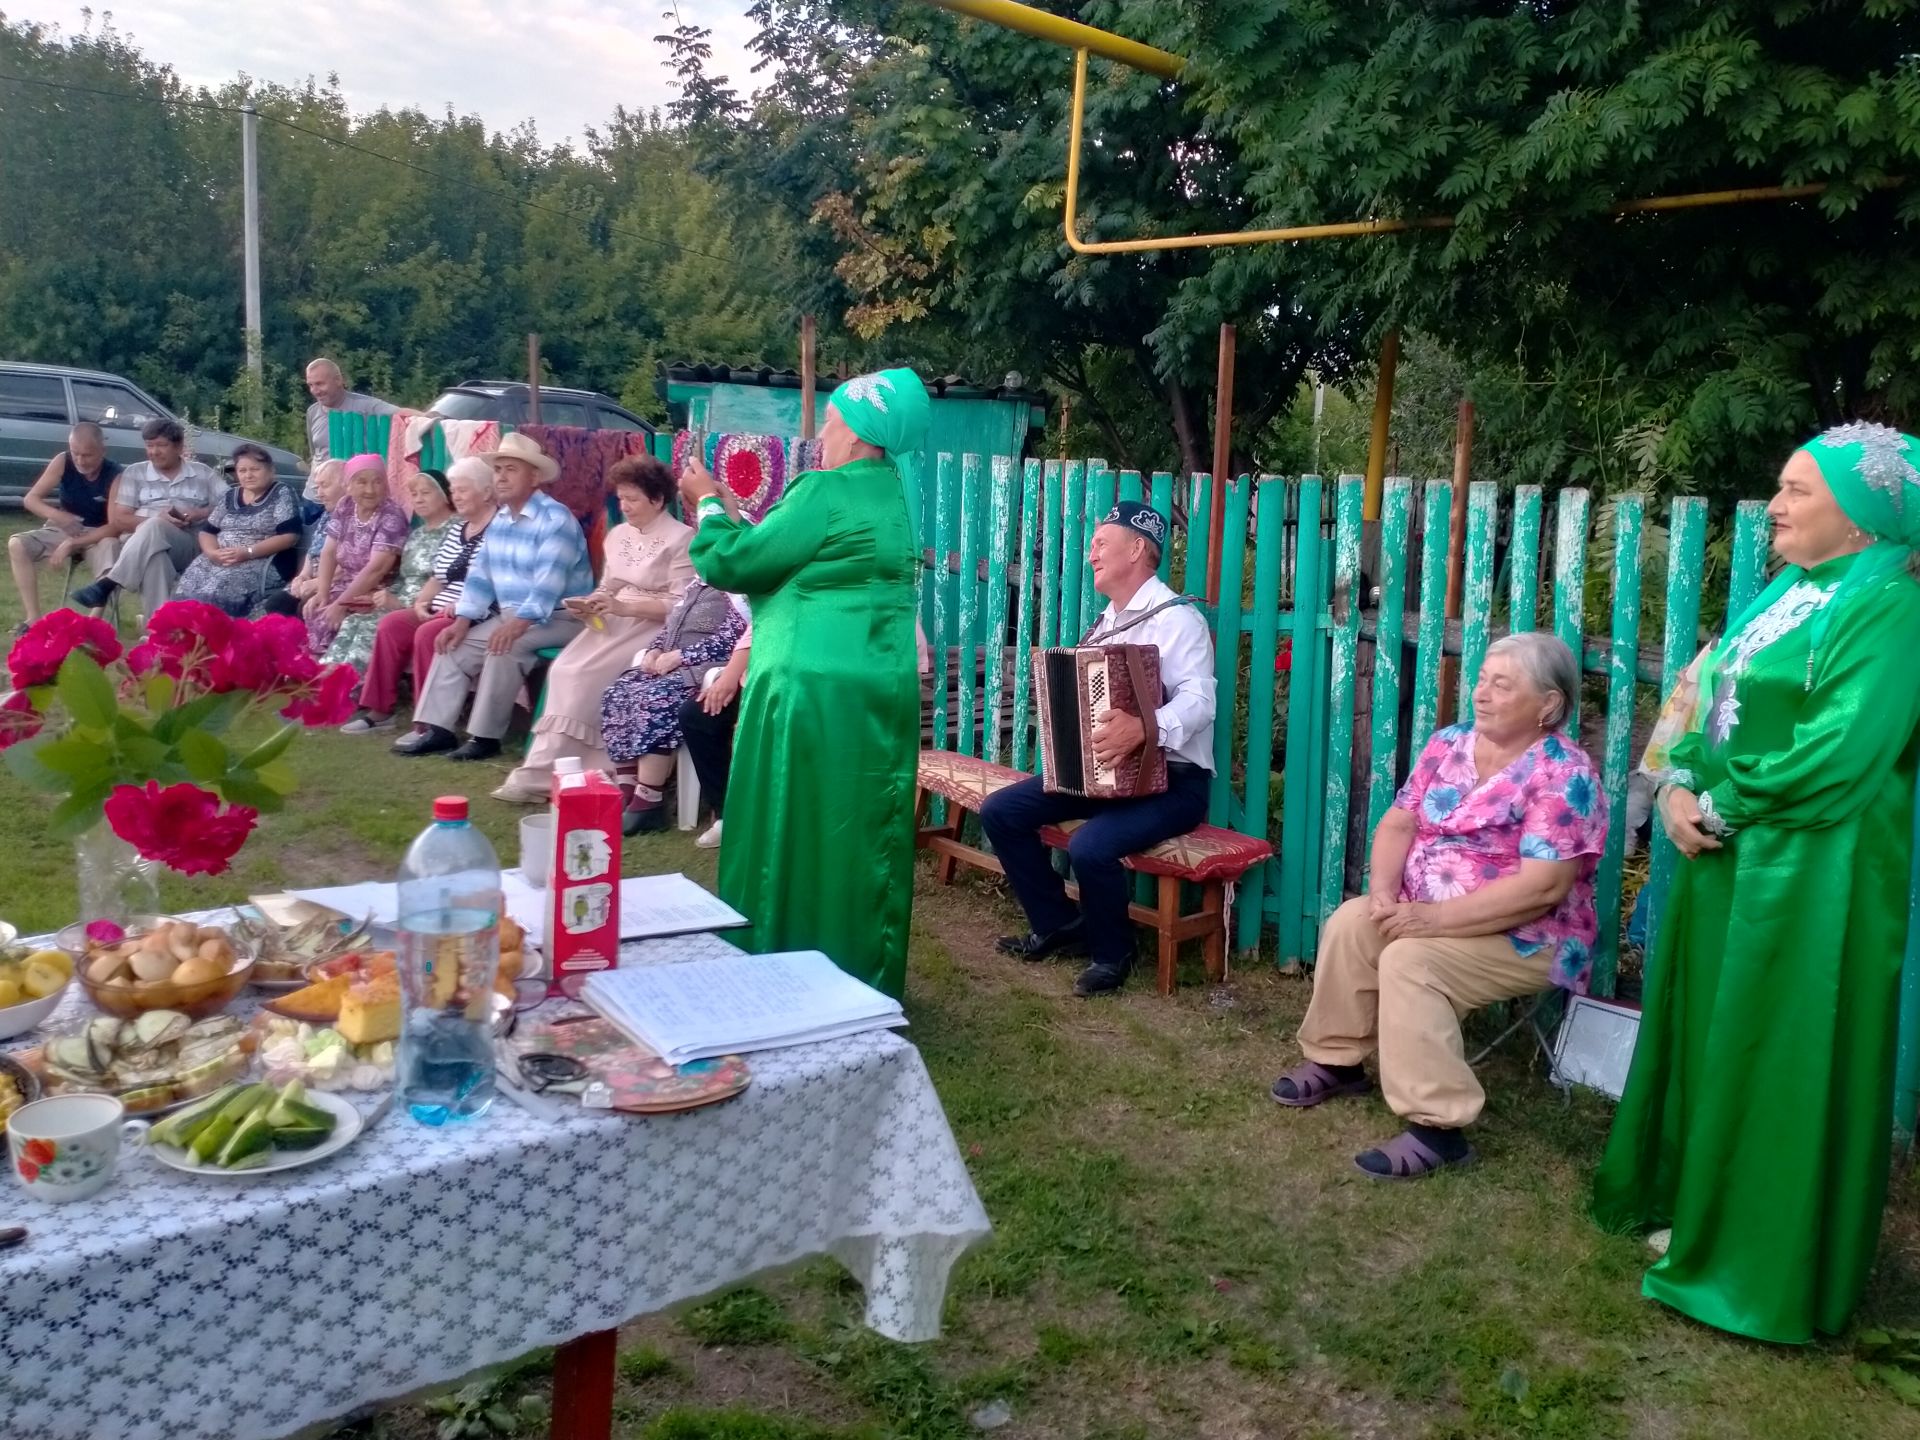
[640,714]
[646,572]
[365,535]
[1481,890]
[247,546]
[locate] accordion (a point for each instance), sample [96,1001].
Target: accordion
[1072,688]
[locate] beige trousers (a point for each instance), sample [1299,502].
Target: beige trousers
[493,680]
[153,558]
[1406,998]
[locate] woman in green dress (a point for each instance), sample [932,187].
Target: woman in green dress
[819,847]
[1758,1113]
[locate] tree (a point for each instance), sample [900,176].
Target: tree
[1718,336]
[416,250]
[949,140]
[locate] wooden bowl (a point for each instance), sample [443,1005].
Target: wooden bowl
[197,1001]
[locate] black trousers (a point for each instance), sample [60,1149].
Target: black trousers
[1115,829]
[709,740]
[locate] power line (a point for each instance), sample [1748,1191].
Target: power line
[440,175]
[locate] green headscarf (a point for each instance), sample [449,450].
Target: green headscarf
[890,409]
[1874,474]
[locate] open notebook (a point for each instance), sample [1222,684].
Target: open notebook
[736,1004]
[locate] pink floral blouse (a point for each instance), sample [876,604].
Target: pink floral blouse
[1546,805]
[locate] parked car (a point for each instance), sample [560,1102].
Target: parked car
[40,403]
[506,400]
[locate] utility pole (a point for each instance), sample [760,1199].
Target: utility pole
[250,188]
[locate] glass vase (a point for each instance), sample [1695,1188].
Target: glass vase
[115,883]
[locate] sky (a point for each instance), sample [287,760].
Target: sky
[565,64]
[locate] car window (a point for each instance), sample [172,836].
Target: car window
[110,404]
[32,397]
[465,405]
[611,419]
[563,412]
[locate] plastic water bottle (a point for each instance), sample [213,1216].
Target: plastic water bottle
[449,949]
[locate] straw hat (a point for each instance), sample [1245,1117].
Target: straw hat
[520,447]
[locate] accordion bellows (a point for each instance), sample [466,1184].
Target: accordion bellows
[1072,688]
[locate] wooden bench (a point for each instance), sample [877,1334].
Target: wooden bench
[1206,856]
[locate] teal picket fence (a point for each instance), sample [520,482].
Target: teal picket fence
[1334,655]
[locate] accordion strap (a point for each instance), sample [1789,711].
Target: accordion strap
[1141,618]
[1149,737]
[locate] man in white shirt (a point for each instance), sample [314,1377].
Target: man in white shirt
[159,504]
[1125,554]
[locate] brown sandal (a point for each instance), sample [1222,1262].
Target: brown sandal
[1313,1084]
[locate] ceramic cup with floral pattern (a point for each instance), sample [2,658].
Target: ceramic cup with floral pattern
[64,1147]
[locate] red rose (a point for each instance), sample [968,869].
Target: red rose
[284,639]
[182,637]
[29,1171]
[181,826]
[41,1152]
[212,848]
[18,719]
[37,655]
[243,663]
[328,703]
[179,625]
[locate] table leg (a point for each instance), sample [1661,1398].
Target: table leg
[583,1387]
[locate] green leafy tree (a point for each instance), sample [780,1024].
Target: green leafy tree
[1703,341]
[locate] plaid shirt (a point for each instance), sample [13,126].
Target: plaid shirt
[530,562]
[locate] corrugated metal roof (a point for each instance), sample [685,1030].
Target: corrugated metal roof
[943,387]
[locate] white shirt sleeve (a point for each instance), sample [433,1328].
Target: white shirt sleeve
[1186,673]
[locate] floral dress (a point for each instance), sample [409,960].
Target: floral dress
[640,714]
[241,590]
[353,645]
[355,543]
[1545,805]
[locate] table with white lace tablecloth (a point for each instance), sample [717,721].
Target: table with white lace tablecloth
[174,1305]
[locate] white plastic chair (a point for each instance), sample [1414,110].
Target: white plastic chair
[687,785]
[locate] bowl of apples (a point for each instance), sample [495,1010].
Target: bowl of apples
[31,983]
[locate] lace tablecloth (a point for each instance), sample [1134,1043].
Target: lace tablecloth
[173,1305]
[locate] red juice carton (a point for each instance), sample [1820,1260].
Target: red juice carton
[583,882]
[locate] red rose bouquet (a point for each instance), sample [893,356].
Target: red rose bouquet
[147,737]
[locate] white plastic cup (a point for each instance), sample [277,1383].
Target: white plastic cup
[536,847]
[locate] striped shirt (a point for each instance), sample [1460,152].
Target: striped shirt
[531,561]
[451,562]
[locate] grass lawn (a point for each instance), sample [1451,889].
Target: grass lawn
[1173,1255]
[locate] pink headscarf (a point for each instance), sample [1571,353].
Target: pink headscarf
[367,461]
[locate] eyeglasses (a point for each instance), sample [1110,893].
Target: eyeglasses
[541,1072]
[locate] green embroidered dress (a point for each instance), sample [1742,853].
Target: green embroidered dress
[819,847]
[1758,1110]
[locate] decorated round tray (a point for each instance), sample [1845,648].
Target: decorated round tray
[642,1083]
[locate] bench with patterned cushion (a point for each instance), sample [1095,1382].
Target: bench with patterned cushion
[1206,856]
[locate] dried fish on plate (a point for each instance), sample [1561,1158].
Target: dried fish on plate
[286,952]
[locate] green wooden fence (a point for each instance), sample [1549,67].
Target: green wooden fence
[1369,648]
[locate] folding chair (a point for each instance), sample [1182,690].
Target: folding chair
[1542,1016]
[74,562]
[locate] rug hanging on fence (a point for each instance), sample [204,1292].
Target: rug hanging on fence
[683,447]
[584,457]
[753,467]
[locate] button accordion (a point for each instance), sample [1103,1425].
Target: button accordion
[1073,687]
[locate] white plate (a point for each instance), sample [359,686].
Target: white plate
[347,1127]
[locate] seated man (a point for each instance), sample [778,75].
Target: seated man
[159,505]
[707,720]
[71,496]
[1143,611]
[535,557]
[1481,890]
